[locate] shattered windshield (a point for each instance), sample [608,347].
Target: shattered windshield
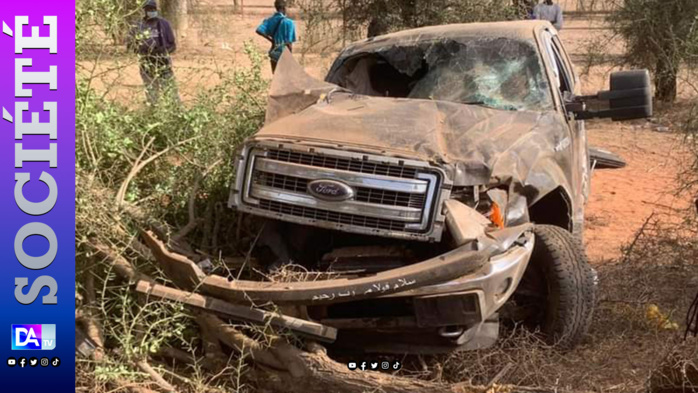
[502,73]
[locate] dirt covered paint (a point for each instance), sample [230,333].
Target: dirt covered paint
[527,152]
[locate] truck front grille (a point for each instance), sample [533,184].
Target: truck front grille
[387,197]
[345,164]
[363,194]
[334,217]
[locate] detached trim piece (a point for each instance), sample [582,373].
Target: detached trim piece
[449,266]
[242,313]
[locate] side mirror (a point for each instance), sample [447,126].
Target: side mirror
[630,97]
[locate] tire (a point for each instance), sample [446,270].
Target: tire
[558,290]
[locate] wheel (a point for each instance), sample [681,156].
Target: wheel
[556,295]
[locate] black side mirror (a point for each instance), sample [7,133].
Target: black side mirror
[630,97]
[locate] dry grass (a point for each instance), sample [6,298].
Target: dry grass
[625,346]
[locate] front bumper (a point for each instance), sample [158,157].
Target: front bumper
[493,284]
[460,290]
[459,314]
[463,301]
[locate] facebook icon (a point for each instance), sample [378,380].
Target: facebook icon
[33,337]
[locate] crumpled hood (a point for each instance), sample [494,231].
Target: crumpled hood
[469,141]
[529,152]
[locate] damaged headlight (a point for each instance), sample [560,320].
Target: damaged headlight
[497,204]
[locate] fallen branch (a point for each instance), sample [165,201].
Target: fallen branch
[122,267]
[145,367]
[193,220]
[235,339]
[298,371]
[638,235]
[138,165]
[214,357]
[177,355]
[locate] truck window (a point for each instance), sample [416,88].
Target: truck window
[563,75]
[566,60]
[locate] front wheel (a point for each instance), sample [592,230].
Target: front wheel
[556,295]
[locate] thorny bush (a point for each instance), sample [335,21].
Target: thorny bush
[113,137]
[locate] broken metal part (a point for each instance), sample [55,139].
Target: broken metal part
[603,159]
[464,223]
[449,266]
[452,309]
[206,266]
[504,238]
[480,336]
[307,90]
[451,331]
[242,313]
[84,346]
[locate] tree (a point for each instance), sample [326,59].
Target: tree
[177,12]
[660,35]
[383,16]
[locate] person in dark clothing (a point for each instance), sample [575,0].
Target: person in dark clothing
[153,40]
[280,30]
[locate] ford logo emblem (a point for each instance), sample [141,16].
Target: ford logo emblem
[330,190]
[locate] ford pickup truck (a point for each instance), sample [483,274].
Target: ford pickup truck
[439,175]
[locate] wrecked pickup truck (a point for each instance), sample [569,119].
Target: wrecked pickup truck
[440,174]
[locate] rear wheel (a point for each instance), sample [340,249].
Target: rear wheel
[556,295]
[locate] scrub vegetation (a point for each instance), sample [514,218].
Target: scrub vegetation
[138,164]
[167,168]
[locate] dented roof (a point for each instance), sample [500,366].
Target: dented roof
[523,29]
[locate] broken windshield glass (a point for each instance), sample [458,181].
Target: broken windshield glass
[502,73]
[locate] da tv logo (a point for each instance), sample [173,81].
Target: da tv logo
[33,337]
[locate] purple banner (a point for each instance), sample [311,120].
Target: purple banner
[37,173]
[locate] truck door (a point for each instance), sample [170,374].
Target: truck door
[568,87]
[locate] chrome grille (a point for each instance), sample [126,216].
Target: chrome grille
[392,198]
[282,182]
[363,194]
[330,216]
[351,165]
[389,196]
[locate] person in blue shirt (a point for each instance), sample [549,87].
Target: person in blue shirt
[152,39]
[280,31]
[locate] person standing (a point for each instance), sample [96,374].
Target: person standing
[280,31]
[153,40]
[550,12]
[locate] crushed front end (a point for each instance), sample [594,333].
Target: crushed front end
[418,265]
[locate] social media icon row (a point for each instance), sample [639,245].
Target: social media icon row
[395,365]
[33,362]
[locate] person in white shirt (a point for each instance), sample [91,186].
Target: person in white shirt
[550,12]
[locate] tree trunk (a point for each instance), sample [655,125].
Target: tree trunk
[665,79]
[177,12]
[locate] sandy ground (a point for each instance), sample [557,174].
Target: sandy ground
[621,199]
